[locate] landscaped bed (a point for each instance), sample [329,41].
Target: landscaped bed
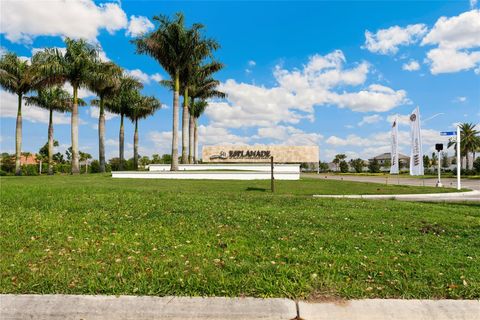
[96,235]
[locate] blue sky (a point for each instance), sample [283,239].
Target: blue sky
[331,74]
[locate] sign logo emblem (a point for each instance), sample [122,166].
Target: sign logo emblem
[222,156]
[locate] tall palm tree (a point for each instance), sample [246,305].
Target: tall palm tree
[469,141]
[19,77]
[75,66]
[197,108]
[51,99]
[200,85]
[104,81]
[143,107]
[173,46]
[121,103]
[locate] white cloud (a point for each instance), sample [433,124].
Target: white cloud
[22,21]
[473,3]
[387,41]
[143,77]
[402,119]
[411,66]
[82,92]
[252,63]
[94,112]
[9,107]
[140,75]
[156,77]
[460,99]
[297,92]
[139,25]
[288,135]
[370,119]
[447,60]
[455,38]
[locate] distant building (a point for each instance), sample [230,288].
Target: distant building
[386,157]
[29,159]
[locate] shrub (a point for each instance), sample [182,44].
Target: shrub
[476,165]
[94,166]
[374,166]
[29,170]
[343,166]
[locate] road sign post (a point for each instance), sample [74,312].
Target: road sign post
[439,147]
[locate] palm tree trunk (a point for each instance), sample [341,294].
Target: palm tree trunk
[101,136]
[121,142]
[75,160]
[185,126]
[50,143]
[174,165]
[191,130]
[467,164]
[195,143]
[135,146]
[18,138]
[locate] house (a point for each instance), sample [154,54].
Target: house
[386,157]
[28,158]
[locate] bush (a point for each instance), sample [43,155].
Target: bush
[374,166]
[94,167]
[62,168]
[343,166]
[29,170]
[476,165]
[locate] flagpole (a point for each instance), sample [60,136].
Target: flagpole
[459,160]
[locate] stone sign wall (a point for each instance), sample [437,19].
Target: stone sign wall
[259,153]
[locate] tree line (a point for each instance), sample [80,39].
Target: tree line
[185,53]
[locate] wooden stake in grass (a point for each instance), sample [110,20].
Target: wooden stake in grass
[272,182]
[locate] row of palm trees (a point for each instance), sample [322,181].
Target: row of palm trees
[184,53]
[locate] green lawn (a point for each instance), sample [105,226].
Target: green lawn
[97,235]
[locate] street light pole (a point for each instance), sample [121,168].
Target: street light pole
[439,182]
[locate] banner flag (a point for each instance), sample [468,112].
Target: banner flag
[416,155]
[394,153]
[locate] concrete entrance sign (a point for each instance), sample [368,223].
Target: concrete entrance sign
[259,153]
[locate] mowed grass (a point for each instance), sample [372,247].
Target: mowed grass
[98,235]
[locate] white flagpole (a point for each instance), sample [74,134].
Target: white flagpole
[459,159]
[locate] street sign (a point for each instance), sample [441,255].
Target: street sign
[448,133]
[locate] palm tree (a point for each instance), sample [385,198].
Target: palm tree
[141,109]
[19,77]
[197,108]
[75,66]
[104,81]
[469,141]
[121,103]
[174,46]
[51,99]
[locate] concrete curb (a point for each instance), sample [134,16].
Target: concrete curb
[76,307]
[392,309]
[69,307]
[448,195]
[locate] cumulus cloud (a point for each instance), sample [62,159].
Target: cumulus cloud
[288,135]
[143,77]
[94,112]
[370,119]
[387,41]
[9,107]
[24,20]
[298,91]
[456,39]
[411,66]
[379,142]
[139,25]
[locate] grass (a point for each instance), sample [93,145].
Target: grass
[97,235]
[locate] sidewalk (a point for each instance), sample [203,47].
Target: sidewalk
[70,307]
[443,197]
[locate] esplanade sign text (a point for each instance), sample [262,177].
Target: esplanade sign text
[280,154]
